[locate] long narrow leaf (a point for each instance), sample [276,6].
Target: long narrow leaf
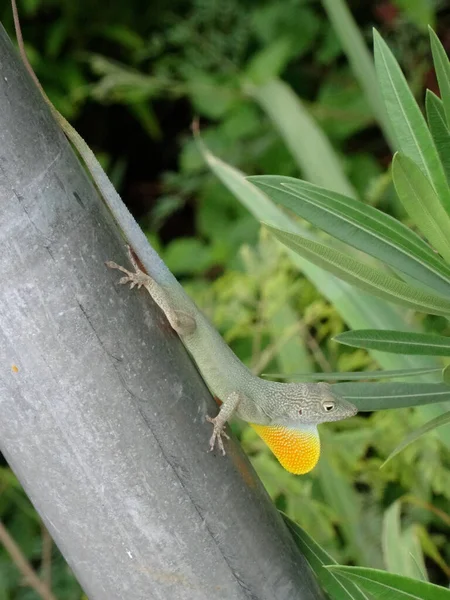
[391,540]
[413,547]
[354,376]
[368,278]
[398,342]
[360,60]
[304,138]
[442,66]
[439,129]
[380,396]
[402,553]
[388,586]
[361,226]
[413,137]
[317,559]
[417,433]
[289,190]
[422,203]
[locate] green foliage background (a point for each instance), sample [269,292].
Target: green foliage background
[131,76]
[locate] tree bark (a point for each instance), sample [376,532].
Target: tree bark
[102,412]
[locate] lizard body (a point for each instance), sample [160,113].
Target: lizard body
[285,415]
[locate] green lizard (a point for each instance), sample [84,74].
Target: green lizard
[285,415]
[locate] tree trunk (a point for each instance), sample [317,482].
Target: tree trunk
[102,412]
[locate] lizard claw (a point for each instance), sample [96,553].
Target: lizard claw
[134,279]
[217,435]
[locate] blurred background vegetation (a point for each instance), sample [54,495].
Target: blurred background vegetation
[131,76]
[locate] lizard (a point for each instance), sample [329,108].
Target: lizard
[284,415]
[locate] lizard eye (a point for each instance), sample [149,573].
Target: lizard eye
[300,411]
[328,405]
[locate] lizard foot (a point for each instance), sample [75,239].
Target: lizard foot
[183,323]
[138,278]
[218,434]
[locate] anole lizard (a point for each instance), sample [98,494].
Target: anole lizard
[285,415]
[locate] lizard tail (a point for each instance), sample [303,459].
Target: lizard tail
[297,450]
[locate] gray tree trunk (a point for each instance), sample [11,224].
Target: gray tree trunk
[102,412]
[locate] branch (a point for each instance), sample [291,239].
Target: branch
[102,412]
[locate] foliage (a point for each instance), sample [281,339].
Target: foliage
[421,184]
[270,81]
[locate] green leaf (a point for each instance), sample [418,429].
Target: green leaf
[401,549]
[442,66]
[308,144]
[413,548]
[413,137]
[361,226]
[399,342]
[388,586]
[317,559]
[360,60]
[416,434]
[368,278]
[391,539]
[422,203]
[381,396]
[439,129]
[352,376]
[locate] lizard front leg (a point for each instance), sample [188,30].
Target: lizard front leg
[226,411]
[183,323]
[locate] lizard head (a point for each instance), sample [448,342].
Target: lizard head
[292,435]
[311,404]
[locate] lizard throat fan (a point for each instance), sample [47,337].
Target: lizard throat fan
[297,450]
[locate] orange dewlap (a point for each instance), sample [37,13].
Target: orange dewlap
[298,450]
